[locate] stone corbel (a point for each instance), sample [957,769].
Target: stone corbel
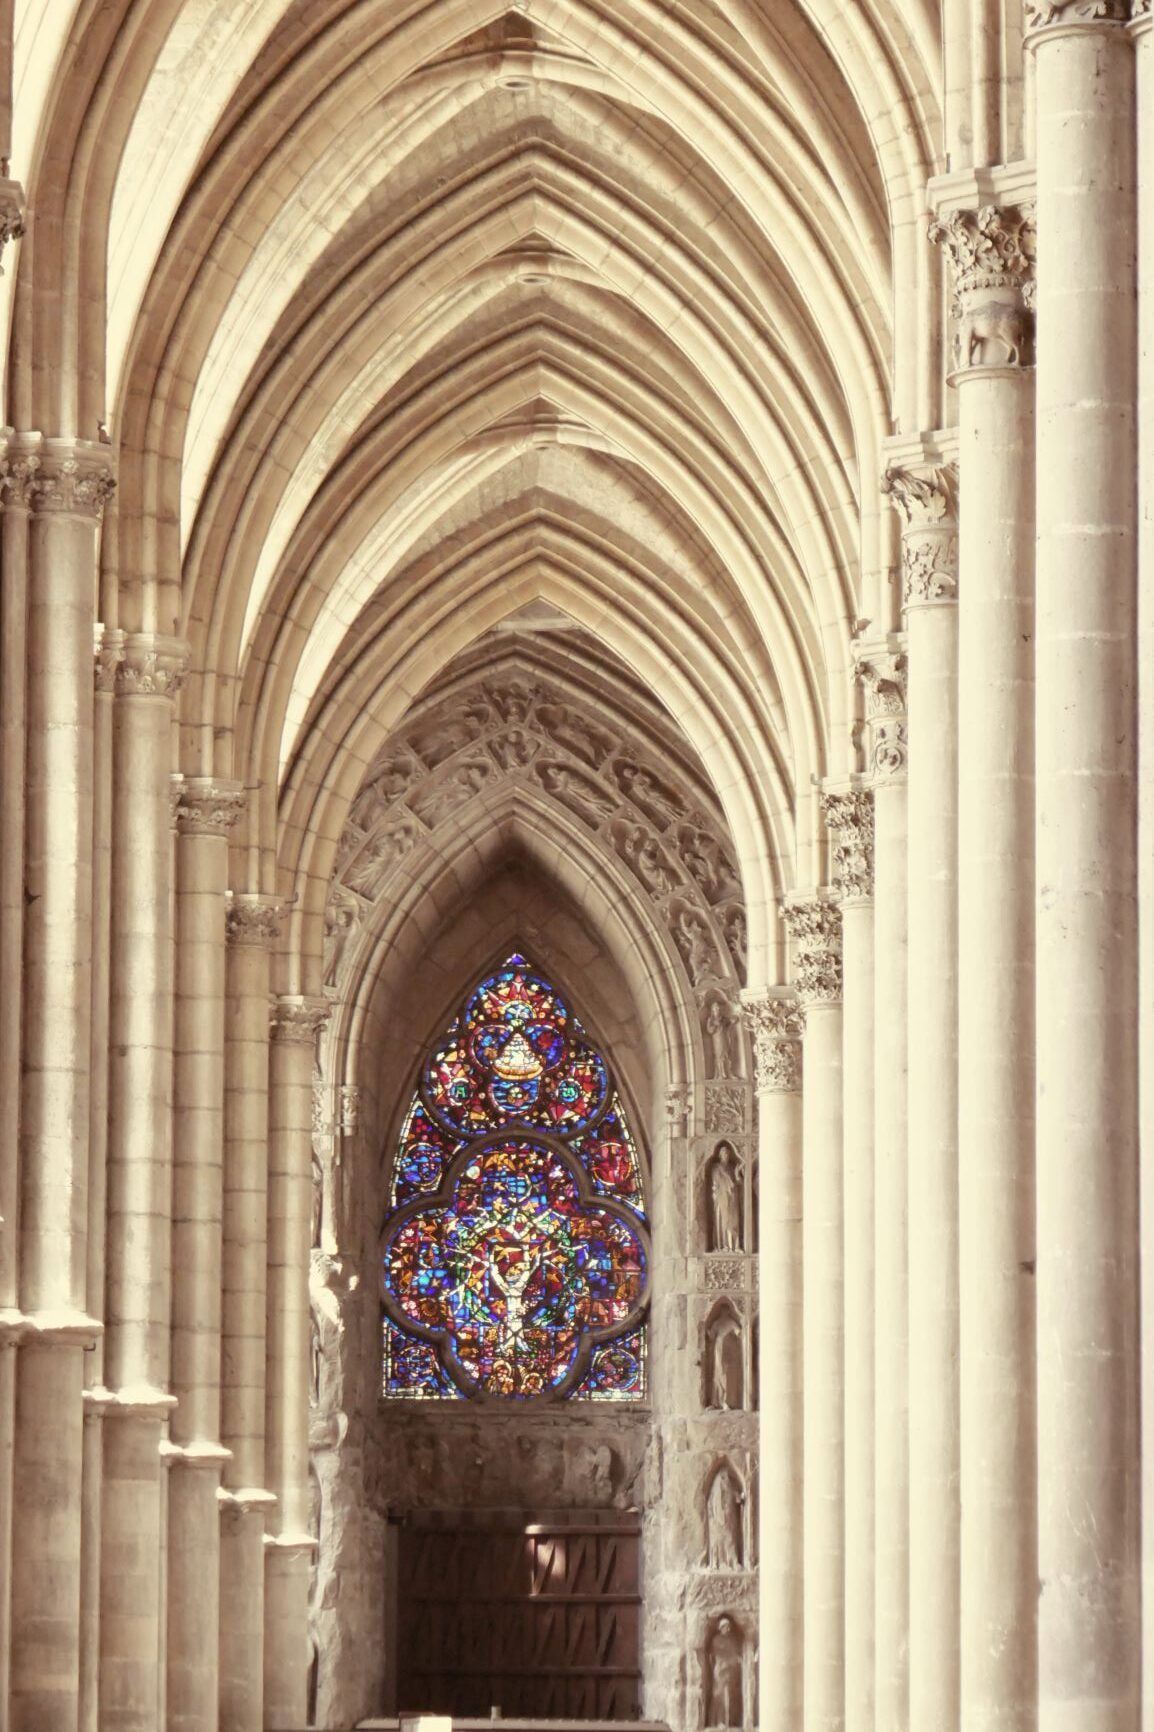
[207,807]
[253,919]
[921,483]
[12,209]
[776,1023]
[880,670]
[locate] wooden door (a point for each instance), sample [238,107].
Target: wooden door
[535,1613]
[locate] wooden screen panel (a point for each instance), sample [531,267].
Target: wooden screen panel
[539,1615]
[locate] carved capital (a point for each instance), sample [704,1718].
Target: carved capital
[108,650]
[152,666]
[992,253]
[11,212]
[18,480]
[252,919]
[297,1020]
[205,807]
[75,483]
[881,672]
[776,1023]
[926,500]
[814,925]
[1044,14]
[850,818]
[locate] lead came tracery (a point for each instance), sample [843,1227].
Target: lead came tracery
[515,1262]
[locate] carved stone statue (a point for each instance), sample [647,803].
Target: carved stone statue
[725,1200]
[724,1675]
[719,1027]
[723,1363]
[723,1536]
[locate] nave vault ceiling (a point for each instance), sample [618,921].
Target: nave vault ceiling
[406,320]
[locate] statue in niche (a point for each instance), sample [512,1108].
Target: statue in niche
[724,1679]
[723,1509]
[719,1025]
[724,1200]
[723,1363]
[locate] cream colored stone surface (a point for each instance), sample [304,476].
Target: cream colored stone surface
[668,488]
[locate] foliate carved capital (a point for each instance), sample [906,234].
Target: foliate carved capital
[881,671]
[108,651]
[11,212]
[850,817]
[205,807]
[18,480]
[152,666]
[926,500]
[1042,14]
[814,925]
[993,253]
[776,1023]
[77,485]
[298,1021]
[252,919]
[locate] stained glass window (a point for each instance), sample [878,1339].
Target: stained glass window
[515,1258]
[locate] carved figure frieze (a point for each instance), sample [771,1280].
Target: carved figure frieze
[382,853]
[443,738]
[512,701]
[433,805]
[575,734]
[649,792]
[724,1183]
[724,1673]
[513,750]
[776,1022]
[706,861]
[724,1370]
[388,784]
[590,798]
[725,1108]
[719,1025]
[693,936]
[735,929]
[643,853]
[724,1520]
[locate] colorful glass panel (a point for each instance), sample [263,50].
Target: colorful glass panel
[515,1263]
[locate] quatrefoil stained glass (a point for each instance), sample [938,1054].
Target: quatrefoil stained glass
[515,1258]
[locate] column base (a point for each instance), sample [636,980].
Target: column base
[286,1631]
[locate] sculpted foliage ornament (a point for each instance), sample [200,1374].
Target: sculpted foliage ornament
[776,1024]
[927,503]
[298,1020]
[814,924]
[208,808]
[851,818]
[882,673]
[992,253]
[152,666]
[252,920]
[79,489]
[1041,13]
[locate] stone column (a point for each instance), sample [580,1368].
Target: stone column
[814,925]
[253,925]
[205,812]
[776,1024]
[16,492]
[1142,28]
[849,815]
[68,485]
[923,490]
[881,669]
[136,1361]
[991,252]
[1086,904]
[296,1027]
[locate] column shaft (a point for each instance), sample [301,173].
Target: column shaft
[66,488]
[252,926]
[139,1176]
[1086,985]
[814,923]
[776,1025]
[991,252]
[883,674]
[926,498]
[296,1028]
[850,818]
